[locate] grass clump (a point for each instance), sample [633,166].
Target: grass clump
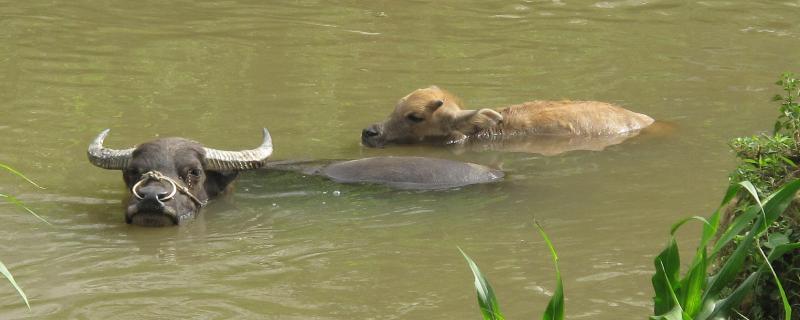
[703,293]
[487,301]
[13,200]
[770,161]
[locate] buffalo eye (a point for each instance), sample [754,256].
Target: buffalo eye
[194,173]
[414,118]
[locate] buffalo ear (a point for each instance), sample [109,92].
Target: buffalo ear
[433,105]
[218,181]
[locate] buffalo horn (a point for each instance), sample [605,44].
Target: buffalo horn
[107,158]
[220,160]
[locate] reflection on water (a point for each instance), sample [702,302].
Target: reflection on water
[285,245]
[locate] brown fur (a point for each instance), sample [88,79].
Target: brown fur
[438,114]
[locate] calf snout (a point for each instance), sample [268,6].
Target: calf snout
[371,131]
[370,136]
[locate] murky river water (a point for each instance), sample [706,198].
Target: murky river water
[315,73]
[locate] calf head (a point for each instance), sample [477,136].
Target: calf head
[429,114]
[170,179]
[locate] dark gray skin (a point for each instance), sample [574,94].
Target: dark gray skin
[171,179]
[182,160]
[399,172]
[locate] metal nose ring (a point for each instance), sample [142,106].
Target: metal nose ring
[164,198]
[171,194]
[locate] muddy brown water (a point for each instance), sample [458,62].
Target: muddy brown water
[285,246]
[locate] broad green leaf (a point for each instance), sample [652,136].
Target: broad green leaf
[776,239]
[777,203]
[732,191]
[7,274]
[486,298]
[675,314]
[693,285]
[667,265]
[739,223]
[680,223]
[733,264]
[753,192]
[555,308]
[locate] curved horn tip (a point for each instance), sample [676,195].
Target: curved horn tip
[98,140]
[104,133]
[267,137]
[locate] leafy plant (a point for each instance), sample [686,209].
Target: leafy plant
[699,295]
[770,161]
[789,120]
[487,301]
[767,160]
[13,200]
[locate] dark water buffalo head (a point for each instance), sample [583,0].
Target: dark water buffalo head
[428,114]
[170,179]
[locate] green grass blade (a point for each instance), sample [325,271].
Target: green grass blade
[731,267]
[773,207]
[740,223]
[678,225]
[19,174]
[723,307]
[667,266]
[710,228]
[754,194]
[731,193]
[777,203]
[486,298]
[787,309]
[555,308]
[11,199]
[7,274]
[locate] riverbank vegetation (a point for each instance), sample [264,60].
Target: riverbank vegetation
[770,161]
[756,238]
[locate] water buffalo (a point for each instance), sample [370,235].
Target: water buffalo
[170,179]
[435,115]
[418,173]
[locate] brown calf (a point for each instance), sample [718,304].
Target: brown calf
[433,114]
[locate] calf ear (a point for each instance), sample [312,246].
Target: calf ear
[470,121]
[217,182]
[433,105]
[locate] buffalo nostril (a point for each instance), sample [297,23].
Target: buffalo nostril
[369,132]
[151,203]
[163,196]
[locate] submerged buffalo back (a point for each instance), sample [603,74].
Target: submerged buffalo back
[411,172]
